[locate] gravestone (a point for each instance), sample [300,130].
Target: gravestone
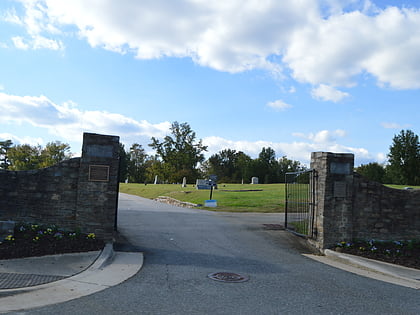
[202,184]
[207,183]
[156,180]
[184,182]
[254,180]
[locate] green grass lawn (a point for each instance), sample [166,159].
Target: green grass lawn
[402,186]
[268,198]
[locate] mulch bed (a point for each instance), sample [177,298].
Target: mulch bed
[404,253]
[34,240]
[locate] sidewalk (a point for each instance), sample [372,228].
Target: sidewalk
[27,272]
[39,281]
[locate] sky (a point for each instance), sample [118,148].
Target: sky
[296,76]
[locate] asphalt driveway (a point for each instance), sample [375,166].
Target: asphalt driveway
[183,246]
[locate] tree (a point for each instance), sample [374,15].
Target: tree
[4,148]
[53,153]
[373,171]
[229,165]
[265,166]
[24,157]
[285,165]
[137,164]
[124,160]
[404,159]
[180,153]
[223,165]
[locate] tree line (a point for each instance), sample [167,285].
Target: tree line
[181,154]
[26,157]
[403,165]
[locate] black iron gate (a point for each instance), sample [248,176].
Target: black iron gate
[300,202]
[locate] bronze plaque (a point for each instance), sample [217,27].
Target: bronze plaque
[98,173]
[340,189]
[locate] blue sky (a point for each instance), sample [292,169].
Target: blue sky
[304,76]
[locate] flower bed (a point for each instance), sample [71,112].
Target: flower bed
[404,253]
[35,240]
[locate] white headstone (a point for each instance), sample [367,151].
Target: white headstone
[184,182]
[254,180]
[156,178]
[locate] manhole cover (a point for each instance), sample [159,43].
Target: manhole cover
[228,277]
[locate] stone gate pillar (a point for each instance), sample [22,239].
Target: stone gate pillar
[97,194]
[333,198]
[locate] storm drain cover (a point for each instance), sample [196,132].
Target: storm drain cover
[228,277]
[17,280]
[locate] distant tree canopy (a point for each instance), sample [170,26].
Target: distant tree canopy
[180,153]
[234,167]
[26,157]
[373,171]
[4,148]
[229,166]
[404,158]
[403,165]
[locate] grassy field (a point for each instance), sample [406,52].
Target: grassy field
[230,197]
[402,186]
[268,198]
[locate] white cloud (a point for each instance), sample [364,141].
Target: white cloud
[393,125]
[229,36]
[21,140]
[381,157]
[69,122]
[36,22]
[336,49]
[327,93]
[19,43]
[279,105]
[322,42]
[323,136]
[320,141]
[37,42]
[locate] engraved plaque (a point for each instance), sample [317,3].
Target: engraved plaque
[340,168]
[97,150]
[340,189]
[98,173]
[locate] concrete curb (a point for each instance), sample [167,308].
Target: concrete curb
[399,275]
[105,257]
[109,269]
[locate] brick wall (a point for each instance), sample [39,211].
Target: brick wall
[77,193]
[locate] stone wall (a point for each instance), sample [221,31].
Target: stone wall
[77,193]
[348,206]
[382,213]
[333,197]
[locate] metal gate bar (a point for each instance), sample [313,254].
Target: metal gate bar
[300,201]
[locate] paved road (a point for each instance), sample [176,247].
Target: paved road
[183,246]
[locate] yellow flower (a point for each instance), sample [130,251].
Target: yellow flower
[91,235]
